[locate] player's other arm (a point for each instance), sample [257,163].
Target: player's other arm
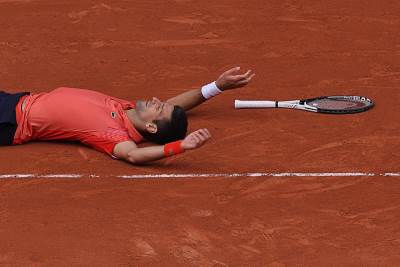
[230,79]
[129,152]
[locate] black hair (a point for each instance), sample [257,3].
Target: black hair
[169,130]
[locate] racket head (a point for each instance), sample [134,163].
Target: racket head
[339,104]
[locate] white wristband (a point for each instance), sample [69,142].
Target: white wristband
[210,90]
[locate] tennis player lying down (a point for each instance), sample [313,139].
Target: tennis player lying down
[108,124]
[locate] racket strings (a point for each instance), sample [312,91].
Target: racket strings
[336,104]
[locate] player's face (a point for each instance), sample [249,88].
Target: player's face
[154,109]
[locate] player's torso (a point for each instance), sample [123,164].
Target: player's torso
[73,114]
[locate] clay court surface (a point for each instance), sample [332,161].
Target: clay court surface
[139,49]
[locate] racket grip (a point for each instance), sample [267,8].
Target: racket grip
[255,104]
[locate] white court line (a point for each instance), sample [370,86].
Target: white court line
[251,174]
[61,176]
[391,174]
[201,175]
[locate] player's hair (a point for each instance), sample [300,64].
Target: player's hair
[169,130]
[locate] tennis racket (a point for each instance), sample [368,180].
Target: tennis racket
[323,104]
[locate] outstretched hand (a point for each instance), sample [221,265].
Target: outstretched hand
[231,79]
[196,139]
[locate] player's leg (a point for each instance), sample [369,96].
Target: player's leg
[8,123]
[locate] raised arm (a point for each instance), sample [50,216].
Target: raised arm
[129,152]
[230,79]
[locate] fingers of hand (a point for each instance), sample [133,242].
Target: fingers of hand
[232,71]
[237,78]
[246,80]
[201,137]
[195,137]
[208,133]
[251,76]
[205,133]
[247,75]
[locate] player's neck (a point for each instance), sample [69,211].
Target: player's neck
[134,119]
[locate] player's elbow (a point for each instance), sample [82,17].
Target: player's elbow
[129,152]
[135,159]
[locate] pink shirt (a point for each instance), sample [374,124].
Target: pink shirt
[73,114]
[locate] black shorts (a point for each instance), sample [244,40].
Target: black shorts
[8,122]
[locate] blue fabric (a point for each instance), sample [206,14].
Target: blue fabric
[8,123]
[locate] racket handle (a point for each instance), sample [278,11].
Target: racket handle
[255,104]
